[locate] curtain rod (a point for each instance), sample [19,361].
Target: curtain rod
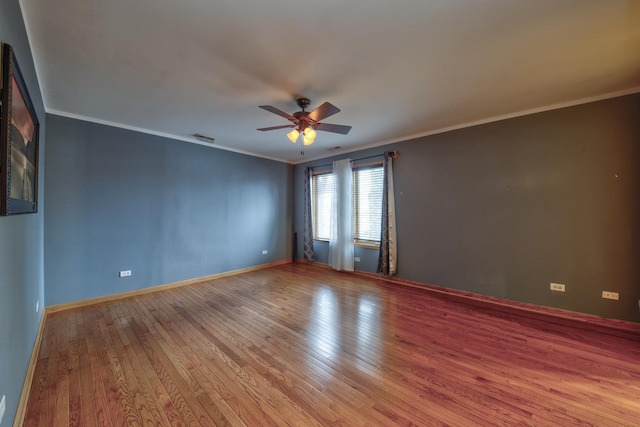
[394,155]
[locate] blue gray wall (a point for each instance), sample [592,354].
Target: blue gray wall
[21,253]
[165,209]
[503,209]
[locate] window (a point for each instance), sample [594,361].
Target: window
[321,197]
[367,207]
[367,204]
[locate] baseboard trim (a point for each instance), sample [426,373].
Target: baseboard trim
[549,315]
[159,288]
[18,421]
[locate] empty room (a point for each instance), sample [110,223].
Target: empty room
[363,213]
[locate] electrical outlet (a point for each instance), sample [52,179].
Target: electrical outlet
[356,259]
[610,295]
[264,252]
[558,287]
[3,406]
[38,306]
[125,273]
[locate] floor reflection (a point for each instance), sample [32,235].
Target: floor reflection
[368,322]
[370,330]
[342,322]
[325,320]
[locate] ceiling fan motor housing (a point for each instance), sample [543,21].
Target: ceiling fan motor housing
[304,122]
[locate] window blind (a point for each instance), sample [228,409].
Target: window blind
[367,191]
[322,194]
[367,194]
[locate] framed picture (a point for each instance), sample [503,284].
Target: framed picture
[19,129]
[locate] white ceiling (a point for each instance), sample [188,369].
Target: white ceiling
[396,69]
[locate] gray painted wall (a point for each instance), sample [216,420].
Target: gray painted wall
[21,253]
[165,209]
[505,208]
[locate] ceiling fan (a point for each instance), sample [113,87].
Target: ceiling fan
[306,123]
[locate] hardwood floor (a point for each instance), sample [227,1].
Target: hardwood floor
[301,345]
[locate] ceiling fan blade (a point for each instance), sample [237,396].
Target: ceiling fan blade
[323,111]
[274,110]
[278,127]
[333,128]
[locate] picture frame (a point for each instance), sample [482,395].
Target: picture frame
[19,141]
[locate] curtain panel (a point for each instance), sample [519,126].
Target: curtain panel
[388,255]
[341,248]
[308,226]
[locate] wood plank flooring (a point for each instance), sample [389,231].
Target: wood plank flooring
[300,345]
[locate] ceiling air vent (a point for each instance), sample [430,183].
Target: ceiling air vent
[204,138]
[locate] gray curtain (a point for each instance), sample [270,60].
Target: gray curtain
[308,227]
[387,257]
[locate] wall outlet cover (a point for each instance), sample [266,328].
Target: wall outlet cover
[558,287]
[610,295]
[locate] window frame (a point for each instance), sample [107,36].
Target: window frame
[314,223]
[371,244]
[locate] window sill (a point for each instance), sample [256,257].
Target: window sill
[360,244]
[367,245]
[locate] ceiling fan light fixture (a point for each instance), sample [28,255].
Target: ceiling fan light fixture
[309,135]
[293,135]
[309,132]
